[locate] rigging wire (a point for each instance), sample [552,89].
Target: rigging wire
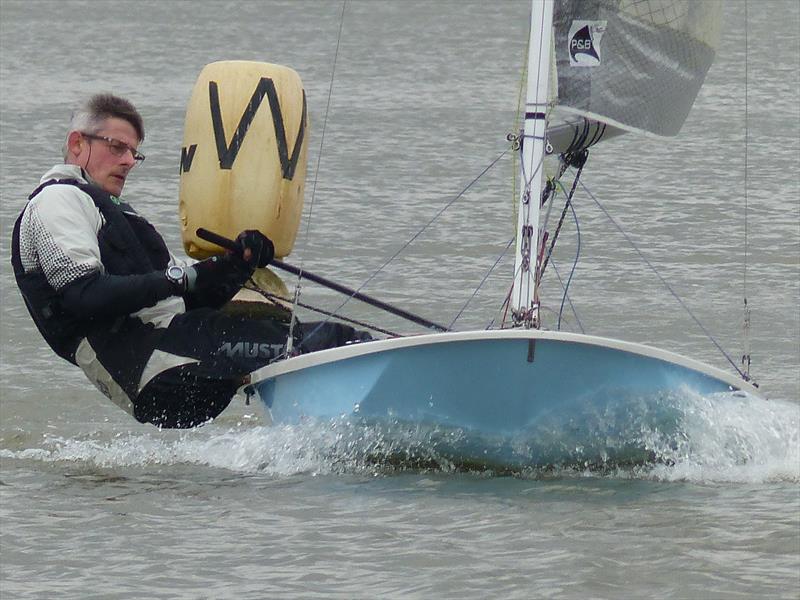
[574,266]
[414,237]
[507,301]
[746,323]
[480,285]
[663,281]
[289,341]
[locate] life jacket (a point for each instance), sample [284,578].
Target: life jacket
[128,245]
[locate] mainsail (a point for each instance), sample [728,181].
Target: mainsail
[633,65]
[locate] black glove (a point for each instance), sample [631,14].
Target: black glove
[261,248]
[228,271]
[214,281]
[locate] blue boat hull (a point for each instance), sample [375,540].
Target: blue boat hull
[490,397]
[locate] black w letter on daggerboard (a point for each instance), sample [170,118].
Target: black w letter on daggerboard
[227,153]
[187,156]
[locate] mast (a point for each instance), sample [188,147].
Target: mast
[525,297]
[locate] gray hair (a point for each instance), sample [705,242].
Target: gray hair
[89,118]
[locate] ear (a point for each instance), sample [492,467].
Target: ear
[75,144]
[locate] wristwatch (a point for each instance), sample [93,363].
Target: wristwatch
[176,275]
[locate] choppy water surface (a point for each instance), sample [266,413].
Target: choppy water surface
[97,506]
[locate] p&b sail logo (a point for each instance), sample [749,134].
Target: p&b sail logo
[584,43]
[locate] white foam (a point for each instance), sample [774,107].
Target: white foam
[720,438]
[731,438]
[315,449]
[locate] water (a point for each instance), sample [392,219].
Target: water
[97,506]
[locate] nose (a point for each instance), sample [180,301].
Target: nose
[128,159]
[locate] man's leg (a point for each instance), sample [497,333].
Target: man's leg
[226,349]
[184,397]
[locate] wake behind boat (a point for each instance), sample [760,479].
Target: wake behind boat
[484,394]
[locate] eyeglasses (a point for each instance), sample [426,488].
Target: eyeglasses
[116,147]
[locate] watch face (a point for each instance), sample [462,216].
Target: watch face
[175,273]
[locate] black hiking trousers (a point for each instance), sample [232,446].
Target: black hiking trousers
[225,349]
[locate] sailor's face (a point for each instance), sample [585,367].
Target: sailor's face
[107,155]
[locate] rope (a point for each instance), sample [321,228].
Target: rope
[578,160]
[271,296]
[663,281]
[296,298]
[571,305]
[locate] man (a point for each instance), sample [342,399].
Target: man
[108,296]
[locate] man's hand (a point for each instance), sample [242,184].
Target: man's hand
[226,271]
[256,249]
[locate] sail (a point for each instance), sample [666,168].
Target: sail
[636,65]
